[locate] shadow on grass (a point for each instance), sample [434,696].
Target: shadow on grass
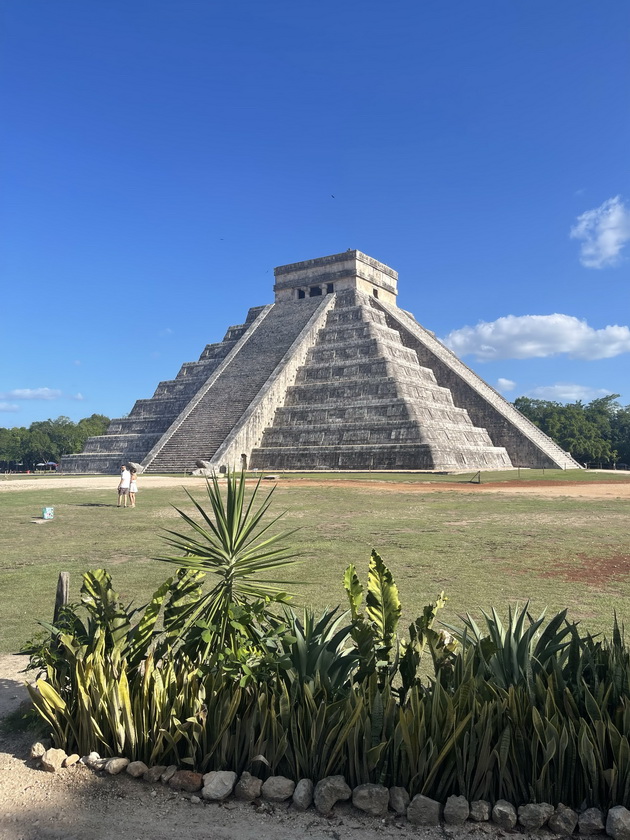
[94,504]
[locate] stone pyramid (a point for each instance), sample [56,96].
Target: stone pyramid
[333,375]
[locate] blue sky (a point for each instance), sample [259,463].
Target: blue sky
[158,159]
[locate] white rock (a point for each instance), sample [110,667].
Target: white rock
[303,794]
[618,823]
[456,810]
[423,811]
[504,814]
[371,798]
[137,769]
[399,800]
[480,810]
[116,765]
[53,759]
[278,788]
[328,791]
[218,785]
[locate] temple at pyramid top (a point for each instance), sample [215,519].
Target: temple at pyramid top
[337,273]
[331,376]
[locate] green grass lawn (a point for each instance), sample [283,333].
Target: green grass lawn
[483,549]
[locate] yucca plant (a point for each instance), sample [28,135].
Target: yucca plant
[233,543]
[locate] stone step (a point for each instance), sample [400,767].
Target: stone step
[395,456]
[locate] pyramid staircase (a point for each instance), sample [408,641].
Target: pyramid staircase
[216,409]
[131,438]
[362,401]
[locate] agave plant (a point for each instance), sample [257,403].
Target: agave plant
[233,543]
[512,654]
[317,650]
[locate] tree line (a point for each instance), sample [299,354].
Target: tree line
[596,433]
[46,441]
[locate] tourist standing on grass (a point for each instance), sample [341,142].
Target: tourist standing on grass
[133,487]
[123,485]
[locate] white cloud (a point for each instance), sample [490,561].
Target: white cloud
[604,231]
[567,392]
[166,331]
[505,384]
[538,336]
[5,406]
[32,394]
[79,396]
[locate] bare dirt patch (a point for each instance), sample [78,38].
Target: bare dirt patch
[595,571]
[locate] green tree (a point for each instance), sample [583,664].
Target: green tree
[586,431]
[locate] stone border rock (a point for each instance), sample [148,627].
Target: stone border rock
[373,799]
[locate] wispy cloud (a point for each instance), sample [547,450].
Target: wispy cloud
[5,406]
[603,231]
[567,392]
[537,336]
[79,396]
[32,394]
[166,331]
[505,384]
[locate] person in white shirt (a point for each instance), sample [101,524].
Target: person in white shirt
[123,486]
[133,487]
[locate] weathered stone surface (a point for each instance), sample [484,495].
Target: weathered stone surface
[137,769]
[39,748]
[456,810]
[278,788]
[71,760]
[618,823]
[563,820]
[373,799]
[195,800]
[423,811]
[329,791]
[363,386]
[116,765]
[534,815]
[248,787]
[480,810]
[303,794]
[89,760]
[153,773]
[168,774]
[53,759]
[504,814]
[99,763]
[398,800]
[186,780]
[218,785]
[591,821]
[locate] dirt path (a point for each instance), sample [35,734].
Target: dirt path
[603,487]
